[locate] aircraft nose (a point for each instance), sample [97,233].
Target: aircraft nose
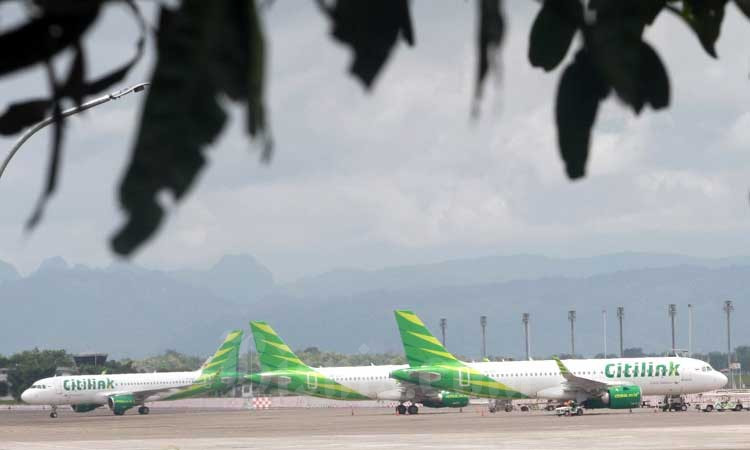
[26,396]
[721,380]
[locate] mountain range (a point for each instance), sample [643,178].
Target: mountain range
[130,311]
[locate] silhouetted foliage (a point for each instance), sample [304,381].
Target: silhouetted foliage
[111,366]
[31,365]
[169,361]
[207,50]
[634,352]
[56,26]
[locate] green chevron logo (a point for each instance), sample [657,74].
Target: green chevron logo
[282,369]
[434,366]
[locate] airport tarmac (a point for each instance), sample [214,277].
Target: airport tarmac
[372,428]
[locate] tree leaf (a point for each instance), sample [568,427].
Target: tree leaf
[75,86]
[256,114]
[66,21]
[616,45]
[20,115]
[490,37]
[578,95]
[56,150]
[117,75]
[198,61]
[650,9]
[40,39]
[371,29]
[23,114]
[744,6]
[644,11]
[240,68]
[553,31]
[705,18]
[615,49]
[653,78]
[632,68]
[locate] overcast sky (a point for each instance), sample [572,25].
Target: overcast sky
[402,175]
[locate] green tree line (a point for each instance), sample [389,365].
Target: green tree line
[314,357]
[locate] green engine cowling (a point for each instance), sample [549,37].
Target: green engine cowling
[85,407]
[618,397]
[121,403]
[447,399]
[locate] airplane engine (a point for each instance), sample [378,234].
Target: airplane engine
[84,407]
[618,397]
[121,403]
[397,395]
[447,399]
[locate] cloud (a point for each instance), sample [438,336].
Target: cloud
[402,174]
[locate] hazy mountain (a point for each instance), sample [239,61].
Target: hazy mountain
[491,269]
[7,272]
[238,278]
[125,311]
[365,320]
[129,311]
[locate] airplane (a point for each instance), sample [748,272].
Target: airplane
[121,392]
[593,383]
[282,369]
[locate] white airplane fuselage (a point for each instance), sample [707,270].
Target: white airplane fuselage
[654,376]
[371,381]
[96,389]
[542,379]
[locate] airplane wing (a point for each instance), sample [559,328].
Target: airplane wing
[582,383]
[144,396]
[141,396]
[424,376]
[421,392]
[420,386]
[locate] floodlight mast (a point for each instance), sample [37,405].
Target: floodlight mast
[525,320]
[620,316]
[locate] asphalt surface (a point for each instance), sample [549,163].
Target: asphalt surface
[339,428]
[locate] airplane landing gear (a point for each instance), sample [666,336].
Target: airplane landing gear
[401,409]
[143,410]
[53,414]
[413,409]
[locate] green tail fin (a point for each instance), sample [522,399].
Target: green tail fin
[224,361]
[273,353]
[420,346]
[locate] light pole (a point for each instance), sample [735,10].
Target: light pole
[483,323]
[672,310]
[572,319]
[690,330]
[525,320]
[620,316]
[69,112]
[604,331]
[443,326]
[728,308]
